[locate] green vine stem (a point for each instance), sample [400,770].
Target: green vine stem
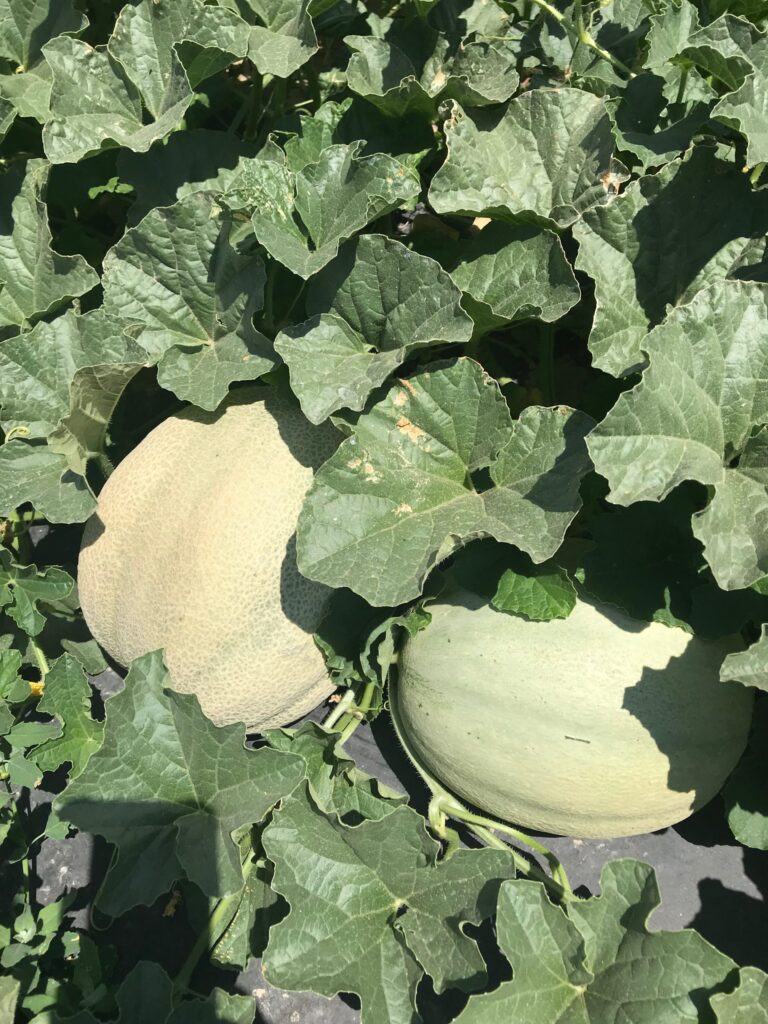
[345,702]
[580,34]
[443,805]
[356,713]
[220,918]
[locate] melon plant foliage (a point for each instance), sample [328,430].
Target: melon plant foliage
[516,253]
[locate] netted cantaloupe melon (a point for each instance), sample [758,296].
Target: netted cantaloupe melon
[594,725]
[192,550]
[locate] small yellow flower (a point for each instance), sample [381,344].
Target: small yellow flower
[172,905]
[37,688]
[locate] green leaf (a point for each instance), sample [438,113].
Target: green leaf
[29,92]
[199,160]
[546,158]
[12,686]
[376,910]
[9,995]
[745,795]
[38,371]
[398,81]
[96,103]
[146,42]
[747,1002]
[667,236]
[509,272]
[188,297]
[690,415]
[285,41]
[302,217]
[377,302]
[750,667]
[36,280]
[68,696]
[32,472]
[598,964]
[170,796]
[23,587]
[25,25]
[747,108]
[539,597]
[336,785]
[147,994]
[398,496]
[650,128]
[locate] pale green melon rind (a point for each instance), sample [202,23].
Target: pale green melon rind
[595,726]
[191,550]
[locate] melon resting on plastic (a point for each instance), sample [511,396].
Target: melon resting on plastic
[191,550]
[596,725]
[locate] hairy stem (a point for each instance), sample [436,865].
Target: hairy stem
[357,713]
[341,709]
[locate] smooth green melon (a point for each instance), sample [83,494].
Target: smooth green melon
[594,725]
[192,550]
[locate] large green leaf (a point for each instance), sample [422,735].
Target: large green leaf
[168,788]
[599,963]
[146,42]
[376,910]
[749,667]
[188,297]
[35,280]
[747,107]
[651,128]
[398,81]
[748,1003]
[22,588]
[198,160]
[286,38]
[34,473]
[336,785]
[691,415]
[302,217]
[38,370]
[95,102]
[25,25]
[547,158]
[398,496]
[147,994]
[667,236]
[374,304]
[745,794]
[68,696]
[509,272]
